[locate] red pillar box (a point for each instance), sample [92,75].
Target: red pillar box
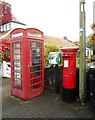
[27,62]
[69,74]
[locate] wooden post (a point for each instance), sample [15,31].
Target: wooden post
[82,67]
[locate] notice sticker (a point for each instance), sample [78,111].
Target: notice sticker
[66,63]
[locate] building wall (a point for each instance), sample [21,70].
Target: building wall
[89,52]
[11,25]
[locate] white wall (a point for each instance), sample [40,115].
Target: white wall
[16,25]
[6,69]
[11,25]
[89,52]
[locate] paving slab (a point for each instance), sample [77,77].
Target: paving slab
[42,106]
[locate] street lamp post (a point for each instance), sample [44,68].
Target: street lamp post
[82,67]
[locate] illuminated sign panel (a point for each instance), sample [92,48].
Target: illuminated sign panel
[31,34]
[17,35]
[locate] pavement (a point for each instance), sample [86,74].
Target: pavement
[42,106]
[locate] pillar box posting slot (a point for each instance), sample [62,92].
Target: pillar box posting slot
[27,62]
[69,74]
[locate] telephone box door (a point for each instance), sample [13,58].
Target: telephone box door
[35,61]
[36,69]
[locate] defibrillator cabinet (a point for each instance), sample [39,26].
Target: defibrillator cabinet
[27,62]
[54,58]
[69,73]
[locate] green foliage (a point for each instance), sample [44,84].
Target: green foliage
[5,55]
[77,60]
[48,49]
[92,56]
[91,40]
[76,42]
[1,56]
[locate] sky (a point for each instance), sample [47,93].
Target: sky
[57,18]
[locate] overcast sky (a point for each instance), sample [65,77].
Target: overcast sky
[57,18]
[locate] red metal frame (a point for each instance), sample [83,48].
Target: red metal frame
[28,78]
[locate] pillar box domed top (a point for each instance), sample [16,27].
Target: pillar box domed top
[69,49]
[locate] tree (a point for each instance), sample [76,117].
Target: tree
[91,42]
[4,49]
[76,42]
[91,39]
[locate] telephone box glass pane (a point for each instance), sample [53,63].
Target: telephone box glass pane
[36,68]
[36,62]
[36,56]
[17,75]
[16,57]
[36,80]
[17,45]
[36,50]
[17,51]
[33,44]
[37,86]
[17,63]
[17,83]
[36,44]
[36,74]
[17,69]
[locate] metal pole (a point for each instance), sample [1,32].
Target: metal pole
[82,67]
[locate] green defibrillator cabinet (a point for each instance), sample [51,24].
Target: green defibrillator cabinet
[54,58]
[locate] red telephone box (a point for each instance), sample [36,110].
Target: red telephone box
[69,73]
[27,62]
